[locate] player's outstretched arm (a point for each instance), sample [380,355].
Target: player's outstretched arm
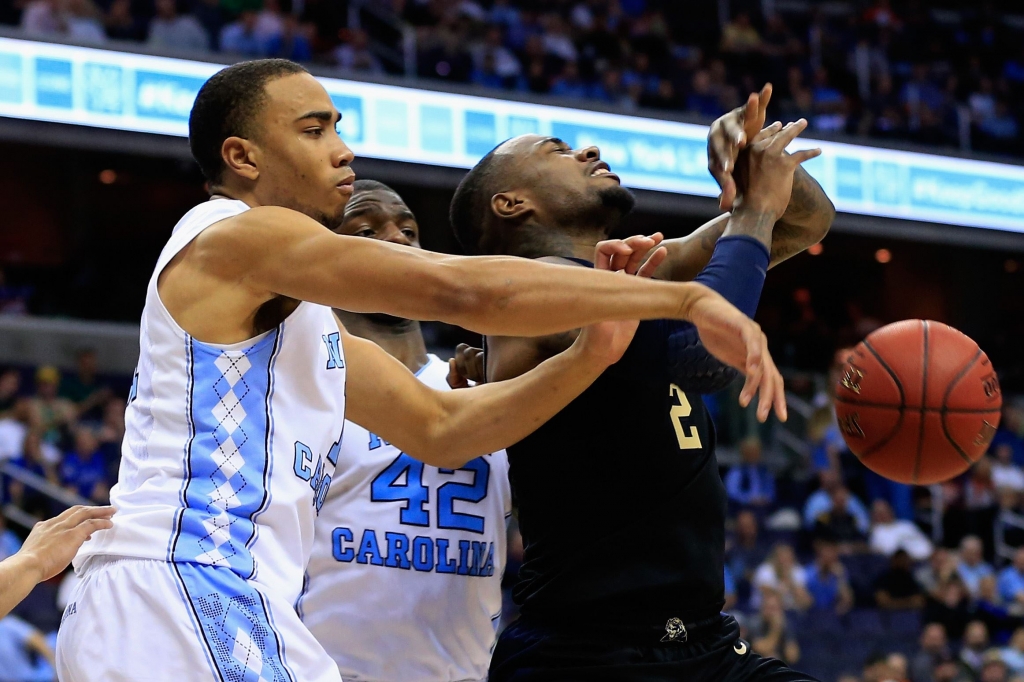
[271,251]
[449,428]
[47,551]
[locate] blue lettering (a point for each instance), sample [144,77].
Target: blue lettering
[314,481]
[447,517]
[488,569]
[422,553]
[479,558]
[444,564]
[386,487]
[375,441]
[398,550]
[303,461]
[369,550]
[321,492]
[333,343]
[464,558]
[342,553]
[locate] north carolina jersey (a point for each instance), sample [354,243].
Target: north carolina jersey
[404,584]
[229,449]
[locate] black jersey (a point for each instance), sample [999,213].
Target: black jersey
[621,507]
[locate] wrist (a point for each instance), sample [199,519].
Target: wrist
[29,565]
[751,210]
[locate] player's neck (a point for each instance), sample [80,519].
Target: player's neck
[401,339]
[536,241]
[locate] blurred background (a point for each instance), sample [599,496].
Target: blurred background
[831,568]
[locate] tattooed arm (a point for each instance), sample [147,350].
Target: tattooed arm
[806,221]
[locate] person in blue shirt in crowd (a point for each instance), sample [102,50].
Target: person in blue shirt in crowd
[972,566]
[820,502]
[9,542]
[20,644]
[750,484]
[826,579]
[1011,580]
[84,470]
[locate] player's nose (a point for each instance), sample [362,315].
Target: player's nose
[588,154]
[341,155]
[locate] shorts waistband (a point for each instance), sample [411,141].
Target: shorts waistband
[673,629]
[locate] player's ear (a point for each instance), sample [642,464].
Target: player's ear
[239,156]
[511,205]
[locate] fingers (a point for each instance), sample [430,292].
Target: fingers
[80,514]
[765,97]
[454,379]
[755,118]
[767,132]
[641,246]
[625,254]
[788,134]
[754,368]
[606,250]
[728,195]
[805,155]
[657,258]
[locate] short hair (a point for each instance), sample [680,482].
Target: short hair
[470,208]
[372,186]
[226,106]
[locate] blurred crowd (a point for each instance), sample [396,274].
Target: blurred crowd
[893,69]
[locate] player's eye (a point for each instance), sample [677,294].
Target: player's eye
[365,232]
[410,234]
[315,132]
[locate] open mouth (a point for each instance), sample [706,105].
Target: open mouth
[601,169]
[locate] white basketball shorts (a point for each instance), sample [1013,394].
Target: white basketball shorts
[137,620]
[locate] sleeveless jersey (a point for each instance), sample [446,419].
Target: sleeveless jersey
[229,450]
[404,584]
[621,506]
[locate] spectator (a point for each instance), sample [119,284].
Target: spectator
[826,579]
[354,53]
[270,21]
[950,606]
[897,588]
[36,458]
[20,643]
[730,591]
[989,608]
[568,83]
[42,18]
[171,30]
[782,575]
[703,100]
[745,550]
[840,524]
[1005,474]
[821,501]
[240,37]
[898,666]
[10,386]
[84,389]
[49,414]
[444,56]
[504,63]
[1013,654]
[291,42]
[876,669]
[993,668]
[1011,580]
[933,647]
[14,299]
[941,567]
[750,484]
[122,24]
[83,471]
[556,38]
[972,567]
[889,534]
[948,669]
[975,644]
[769,633]
[739,35]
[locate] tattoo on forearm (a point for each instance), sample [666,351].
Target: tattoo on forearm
[756,225]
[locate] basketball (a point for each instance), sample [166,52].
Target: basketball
[918,402]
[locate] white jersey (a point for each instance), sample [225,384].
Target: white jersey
[404,584]
[229,450]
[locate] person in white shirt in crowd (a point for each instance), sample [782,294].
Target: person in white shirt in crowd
[781,574]
[972,566]
[889,534]
[171,30]
[1005,474]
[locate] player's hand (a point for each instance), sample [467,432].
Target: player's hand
[731,133]
[736,340]
[53,543]
[467,366]
[766,169]
[636,255]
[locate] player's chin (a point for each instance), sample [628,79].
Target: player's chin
[615,196]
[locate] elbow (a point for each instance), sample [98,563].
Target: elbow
[824,223]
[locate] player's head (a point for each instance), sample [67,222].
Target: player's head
[266,129]
[531,188]
[378,212]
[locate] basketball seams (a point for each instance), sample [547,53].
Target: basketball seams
[949,390]
[924,402]
[903,401]
[944,410]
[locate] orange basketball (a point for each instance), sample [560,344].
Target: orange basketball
[918,402]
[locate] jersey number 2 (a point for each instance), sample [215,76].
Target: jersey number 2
[687,436]
[387,487]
